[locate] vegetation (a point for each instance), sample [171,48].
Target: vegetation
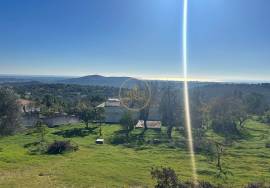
[9,112]
[167,178]
[61,97]
[129,165]
[59,147]
[230,131]
[127,122]
[171,110]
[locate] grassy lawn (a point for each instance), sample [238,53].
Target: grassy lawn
[126,166]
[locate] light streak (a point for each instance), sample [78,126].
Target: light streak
[188,124]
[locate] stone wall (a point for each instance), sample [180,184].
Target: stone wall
[114,114]
[60,120]
[29,120]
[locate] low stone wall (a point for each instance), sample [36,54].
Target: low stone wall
[29,120]
[60,120]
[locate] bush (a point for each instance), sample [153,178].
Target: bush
[205,146]
[201,184]
[167,178]
[59,147]
[256,185]
[118,139]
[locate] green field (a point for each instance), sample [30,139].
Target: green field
[127,166]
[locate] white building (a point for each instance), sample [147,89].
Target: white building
[114,111]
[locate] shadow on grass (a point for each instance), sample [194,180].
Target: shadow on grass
[138,140]
[242,134]
[76,132]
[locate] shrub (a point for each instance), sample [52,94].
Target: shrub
[118,139]
[205,146]
[166,177]
[256,185]
[59,147]
[201,184]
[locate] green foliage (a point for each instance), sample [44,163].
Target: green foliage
[118,166]
[60,147]
[266,117]
[63,97]
[37,148]
[228,115]
[165,177]
[87,115]
[91,115]
[171,110]
[256,103]
[128,122]
[9,112]
[118,139]
[41,130]
[256,185]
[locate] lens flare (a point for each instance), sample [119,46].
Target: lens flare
[186,95]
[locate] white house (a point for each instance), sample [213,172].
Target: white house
[114,111]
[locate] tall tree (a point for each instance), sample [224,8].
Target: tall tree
[127,121]
[41,130]
[87,115]
[149,94]
[228,114]
[256,103]
[99,117]
[171,109]
[9,112]
[199,110]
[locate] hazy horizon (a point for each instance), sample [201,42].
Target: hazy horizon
[226,40]
[144,78]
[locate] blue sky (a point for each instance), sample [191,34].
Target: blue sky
[227,39]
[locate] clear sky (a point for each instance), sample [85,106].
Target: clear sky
[228,39]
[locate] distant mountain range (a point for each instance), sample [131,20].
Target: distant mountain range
[96,80]
[91,80]
[27,78]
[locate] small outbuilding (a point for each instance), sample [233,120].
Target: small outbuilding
[149,124]
[100,141]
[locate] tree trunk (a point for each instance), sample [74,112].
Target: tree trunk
[169,132]
[145,124]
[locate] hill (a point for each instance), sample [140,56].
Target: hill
[96,80]
[23,78]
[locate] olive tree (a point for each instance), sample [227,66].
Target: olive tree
[127,121]
[9,112]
